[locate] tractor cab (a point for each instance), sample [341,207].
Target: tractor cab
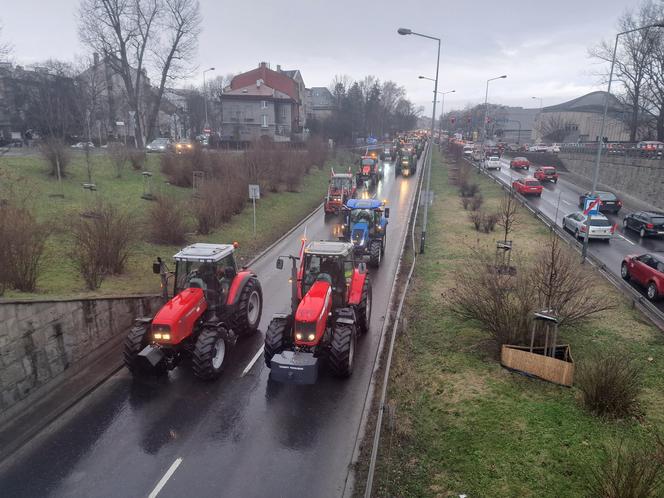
[341,188]
[210,267]
[330,262]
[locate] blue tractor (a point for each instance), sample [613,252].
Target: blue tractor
[365,225]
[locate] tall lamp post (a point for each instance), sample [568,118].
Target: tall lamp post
[486,105]
[442,105]
[406,31]
[600,138]
[207,125]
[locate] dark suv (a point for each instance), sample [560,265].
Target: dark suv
[609,203]
[645,222]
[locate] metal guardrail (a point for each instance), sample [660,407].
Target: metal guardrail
[655,315]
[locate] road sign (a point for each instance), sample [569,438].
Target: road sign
[372,140]
[119,123]
[254,192]
[591,205]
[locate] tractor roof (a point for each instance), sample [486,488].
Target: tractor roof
[364,204]
[204,252]
[329,248]
[342,175]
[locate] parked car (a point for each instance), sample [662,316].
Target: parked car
[645,222]
[650,148]
[160,145]
[492,162]
[555,148]
[646,270]
[538,148]
[528,186]
[599,226]
[467,151]
[609,202]
[546,173]
[520,163]
[83,145]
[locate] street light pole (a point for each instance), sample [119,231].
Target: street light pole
[207,125]
[486,111]
[442,104]
[600,138]
[406,31]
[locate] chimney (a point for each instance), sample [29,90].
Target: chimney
[95,58]
[262,64]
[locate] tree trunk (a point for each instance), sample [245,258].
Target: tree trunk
[660,123]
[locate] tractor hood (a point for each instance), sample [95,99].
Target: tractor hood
[359,234]
[179,315]
[312,307]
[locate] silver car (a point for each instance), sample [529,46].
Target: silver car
[600,226]
[160,145]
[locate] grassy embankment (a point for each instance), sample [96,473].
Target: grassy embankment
[465,425]
[275,214]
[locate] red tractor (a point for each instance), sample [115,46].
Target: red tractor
[330,307]
[341,188]
[369,171]
[213,303]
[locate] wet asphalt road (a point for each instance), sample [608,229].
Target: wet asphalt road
[240,436]
[562,198]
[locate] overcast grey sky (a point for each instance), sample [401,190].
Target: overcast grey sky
[541,46]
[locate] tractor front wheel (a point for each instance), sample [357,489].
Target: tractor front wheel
[136,340]
[375,253]
[275,339]
[208,358]
[342,350]
[249,308]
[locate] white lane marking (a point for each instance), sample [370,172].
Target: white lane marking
[568,203]
[253,361]
[625,238]
[166,477]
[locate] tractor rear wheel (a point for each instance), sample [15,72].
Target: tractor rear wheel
[342,350]
[136,340]
[375,253]
[208,358]
[275,339]
[364,309]
[247,315]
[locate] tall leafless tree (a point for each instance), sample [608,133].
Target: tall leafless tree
[5,48]
[137,36]
[555,127]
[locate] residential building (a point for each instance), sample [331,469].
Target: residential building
[319,103]
[264,103]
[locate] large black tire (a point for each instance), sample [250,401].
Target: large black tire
[375,253]
[364,308]
[136,340]
[245,320]
[342,350]
[275,339]
[203,360]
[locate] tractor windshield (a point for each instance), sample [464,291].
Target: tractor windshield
[367,162]
[194,274]
[361,216]
[319,267]
[340,183]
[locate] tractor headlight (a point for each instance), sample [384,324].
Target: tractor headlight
[156,335]
[161,333]
[298,336]
[311,337]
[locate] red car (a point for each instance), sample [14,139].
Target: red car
[547,173]
[520,163]
[528,186]
[646,270]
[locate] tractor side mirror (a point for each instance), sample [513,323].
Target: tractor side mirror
[280,264]
[156,267]
[387,212]
[362,267]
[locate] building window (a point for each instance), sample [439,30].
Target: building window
[264,120]
[263,104]
[283,114]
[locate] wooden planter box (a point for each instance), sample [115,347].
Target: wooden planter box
[559,370]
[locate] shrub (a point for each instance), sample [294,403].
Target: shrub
[294,170]
[628,472]
[465,202]
[489,222]
[476,202]
[469,189]
[57,154]
[22,242]
[166,221]
[119,155]
[316,155]
[137,158]
[610,384]
[477,217]
[102,243]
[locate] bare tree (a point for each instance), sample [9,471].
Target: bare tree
[5,48]
[137,35]
[508,213]
[632,57]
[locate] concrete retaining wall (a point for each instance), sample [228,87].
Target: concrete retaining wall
[639,178]
[40,342]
